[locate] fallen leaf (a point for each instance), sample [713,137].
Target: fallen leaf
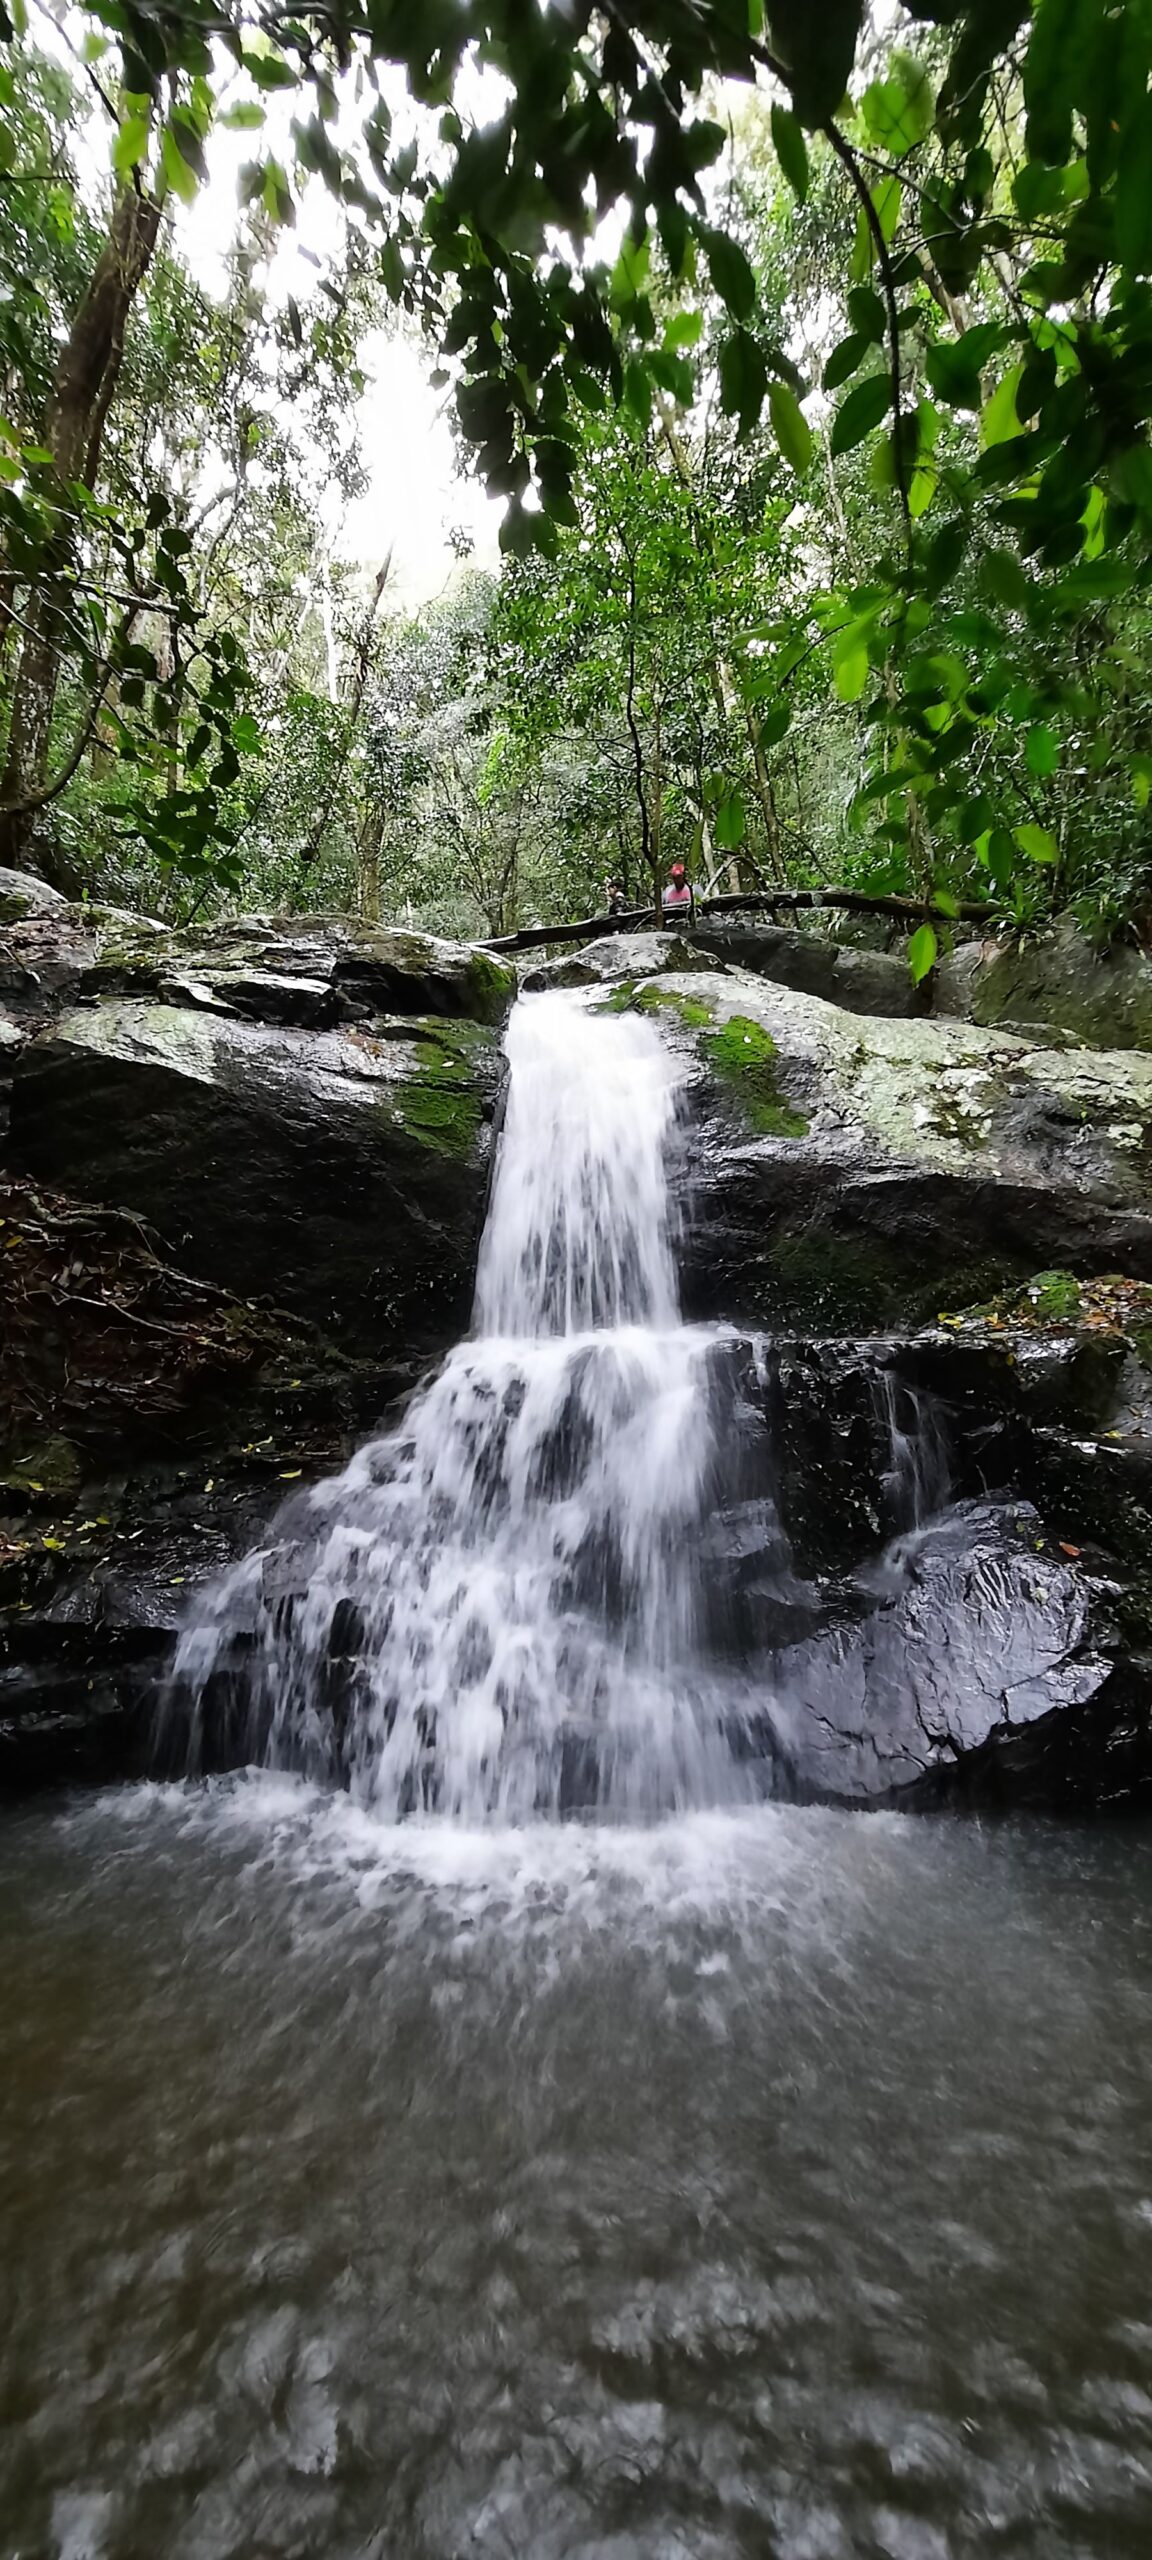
[288,1473]
[210,1487]
[56,1544]
[1065,1549]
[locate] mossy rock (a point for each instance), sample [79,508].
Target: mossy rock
[692,1011]
[41,1466]
[437,1101]
[743,1056]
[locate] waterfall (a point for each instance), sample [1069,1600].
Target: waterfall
[497,1611]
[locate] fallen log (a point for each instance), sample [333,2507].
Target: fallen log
[906,911]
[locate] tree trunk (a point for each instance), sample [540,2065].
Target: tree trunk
[86,377]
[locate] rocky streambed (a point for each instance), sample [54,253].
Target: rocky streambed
[246,1174]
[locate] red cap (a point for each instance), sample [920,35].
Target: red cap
[677,870]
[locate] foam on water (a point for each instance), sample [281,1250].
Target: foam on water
[496,1611]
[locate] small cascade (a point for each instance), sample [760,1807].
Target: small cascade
[917,1480]
[497,1611]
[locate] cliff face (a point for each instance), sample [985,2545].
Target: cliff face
[245,1177]
[247,1172]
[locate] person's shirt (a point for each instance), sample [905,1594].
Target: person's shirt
[677,900]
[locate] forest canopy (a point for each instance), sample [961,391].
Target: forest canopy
[808,351]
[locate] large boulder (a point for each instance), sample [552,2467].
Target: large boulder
[303,1112]
[843,1171]
[901,1634]
[1104,998]
[861,981]
[987,1670]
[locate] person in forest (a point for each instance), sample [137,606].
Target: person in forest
[677,902]
[614,899]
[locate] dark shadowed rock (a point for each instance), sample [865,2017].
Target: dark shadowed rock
[987,1671]
[859,980]
[303,1110]
[342,1172]
[846,1172]
[1104,998]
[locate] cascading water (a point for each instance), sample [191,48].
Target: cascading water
[496,1610]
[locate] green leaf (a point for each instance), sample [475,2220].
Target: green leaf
[947,904]
[863,409]
[897,111]
[998,418]
[867,313]
[267,68]
[131,144]
[683,330]
[1134,187]
[1131,476]
[731,274]
[743,379]
[791,150]
[954,366]
[730,822]
[1058,72]
[1005,581]
[844,362]
[1041,751]
[630,274]
[888,198]
[922,951]
[181,176]
[246,117]
[850,661]
[1037,843]
[818,44]
[638,392]
[790,426]
[775,724]
[517,532]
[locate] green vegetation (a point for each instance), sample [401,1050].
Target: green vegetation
[436,1101]
[649,998]
[743,1056]
[827,543]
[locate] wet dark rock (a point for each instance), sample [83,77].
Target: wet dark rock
[988,1671]
[876,982]
[302,1111]
[1058,980]
[897,1166]
[617,956]
[344,1175]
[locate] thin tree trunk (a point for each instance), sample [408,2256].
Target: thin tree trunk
[368,870]
[86,377]
[634,733]
[766,797]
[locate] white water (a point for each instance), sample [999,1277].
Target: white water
[496,1610]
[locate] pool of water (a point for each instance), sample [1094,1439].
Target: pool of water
[773,2183]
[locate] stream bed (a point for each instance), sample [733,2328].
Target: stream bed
[766,2181]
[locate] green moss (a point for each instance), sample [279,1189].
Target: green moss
[651,998]
[743,1055]
[492,987]
[437,1104]
[845,1281]
[1055,1294]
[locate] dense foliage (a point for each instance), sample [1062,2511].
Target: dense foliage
[815,370]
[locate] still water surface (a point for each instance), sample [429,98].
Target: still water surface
[769,2182]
